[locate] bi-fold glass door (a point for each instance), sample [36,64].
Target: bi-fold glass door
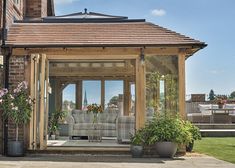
[39,87]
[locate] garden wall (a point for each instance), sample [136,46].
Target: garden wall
[16,75]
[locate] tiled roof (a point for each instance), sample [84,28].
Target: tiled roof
[94,34]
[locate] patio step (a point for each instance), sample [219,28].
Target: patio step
[215,126]
[218,132]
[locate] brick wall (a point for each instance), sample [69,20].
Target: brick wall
[14,11]
[36,8]
[33,8]
[16,75]
[0,14]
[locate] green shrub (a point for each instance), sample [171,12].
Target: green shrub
[138,137]
[166,127]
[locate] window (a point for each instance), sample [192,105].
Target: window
[69,96]
[91,92]
[114,94]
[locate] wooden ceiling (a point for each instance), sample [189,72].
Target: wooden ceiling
[86,69]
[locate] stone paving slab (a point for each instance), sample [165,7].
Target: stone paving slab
[108,161]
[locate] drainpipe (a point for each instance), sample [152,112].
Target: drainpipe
[6,75]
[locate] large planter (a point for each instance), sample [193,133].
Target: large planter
[166,149]
[15,148]
[137,151]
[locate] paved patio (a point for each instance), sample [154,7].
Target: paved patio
[107,161]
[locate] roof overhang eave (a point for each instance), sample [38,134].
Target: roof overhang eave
[192,45]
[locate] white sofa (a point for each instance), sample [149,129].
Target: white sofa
[81,122]
[203,114]
[231,113]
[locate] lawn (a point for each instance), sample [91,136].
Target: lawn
[220,148]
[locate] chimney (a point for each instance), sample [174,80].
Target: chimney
[36,8]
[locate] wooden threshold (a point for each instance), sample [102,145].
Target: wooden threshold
[83,150]
[72,148]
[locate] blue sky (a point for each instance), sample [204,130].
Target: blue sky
[211,21]
[93,90]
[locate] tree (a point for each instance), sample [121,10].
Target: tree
[113,100]
[232,95]
[211,95]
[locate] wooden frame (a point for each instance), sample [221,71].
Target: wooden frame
[138,75]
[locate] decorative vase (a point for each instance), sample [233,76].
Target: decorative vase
[15,148]
[95,118]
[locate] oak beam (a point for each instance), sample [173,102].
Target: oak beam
[42,103]
[181,66]
[126,97]
[47,100]
[79,71]
[79,95]
[140,94]
[103,93]
[98,52]
[32,95]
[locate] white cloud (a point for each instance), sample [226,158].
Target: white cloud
[158,12]
[216,72]
[64,1]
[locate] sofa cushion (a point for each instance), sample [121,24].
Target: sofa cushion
[102,117]
[87,126]
[205,108]
[108,126]
[111,117]
[83,126]
[230,106]
[88,117]
[78,116]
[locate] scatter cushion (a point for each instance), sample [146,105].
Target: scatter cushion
[230,106]
[204,108]
[102,117]
[111,117]
[78,116]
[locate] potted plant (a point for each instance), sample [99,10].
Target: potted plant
[95,109]
[221,100]
[17,107]
[166,132]
[137,141]
[54,119]
[195,133]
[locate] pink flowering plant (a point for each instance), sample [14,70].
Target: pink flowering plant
[16,106]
